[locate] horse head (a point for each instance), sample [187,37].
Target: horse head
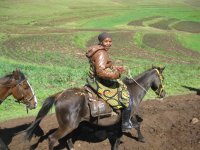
[157,84]
[22,90]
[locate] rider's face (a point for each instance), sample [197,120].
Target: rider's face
[107,42]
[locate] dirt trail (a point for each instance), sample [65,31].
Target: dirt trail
[171,124]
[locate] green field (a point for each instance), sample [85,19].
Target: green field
[47,40]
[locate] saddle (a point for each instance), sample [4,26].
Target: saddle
[98,107]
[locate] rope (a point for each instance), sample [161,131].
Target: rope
[131,77]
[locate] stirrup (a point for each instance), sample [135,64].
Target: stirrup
[127,126]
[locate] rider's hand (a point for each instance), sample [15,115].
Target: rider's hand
[120,69]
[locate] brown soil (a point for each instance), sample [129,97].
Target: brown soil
[140,21]
[170,45]
[164,24]
[188,26]
[170,124]
[193,3]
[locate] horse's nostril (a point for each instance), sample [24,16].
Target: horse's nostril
[35,105]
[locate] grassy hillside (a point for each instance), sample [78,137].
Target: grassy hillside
[47,40]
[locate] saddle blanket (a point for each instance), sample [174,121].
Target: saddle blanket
[116,96]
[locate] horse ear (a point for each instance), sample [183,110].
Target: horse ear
[18,70]
[161,69]
[16,74]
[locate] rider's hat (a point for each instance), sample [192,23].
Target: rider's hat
[103,36]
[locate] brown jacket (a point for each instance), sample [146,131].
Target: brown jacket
[101,64]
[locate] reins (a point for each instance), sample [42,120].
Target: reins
[160,77]
[131,77]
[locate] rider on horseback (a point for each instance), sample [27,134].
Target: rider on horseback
[103,72]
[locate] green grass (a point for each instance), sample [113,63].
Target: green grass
[190,41]
[45,80]
[81,38]
[44,40]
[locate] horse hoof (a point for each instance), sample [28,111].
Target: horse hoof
[142,140]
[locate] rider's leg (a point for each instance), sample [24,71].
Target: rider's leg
[126,115]
[126,123]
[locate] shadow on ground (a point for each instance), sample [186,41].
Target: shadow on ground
[192,89]
[7,134]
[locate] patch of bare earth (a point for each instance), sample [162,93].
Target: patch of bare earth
[65,20]
[51,42]
[188,26]
[194,3]
[169,44]
[164,24]
[139,22]
[173,123]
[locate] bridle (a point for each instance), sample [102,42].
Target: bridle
[18,90]
[161,87]
[19,85]
[159,90]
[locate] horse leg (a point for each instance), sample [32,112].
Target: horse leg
[114,143]
[59,133]
[140,136]
[70,144]
[136,121]
[114,139]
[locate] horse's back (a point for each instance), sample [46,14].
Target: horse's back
[71,95]
[72,102]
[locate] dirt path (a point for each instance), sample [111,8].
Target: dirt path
[171,124]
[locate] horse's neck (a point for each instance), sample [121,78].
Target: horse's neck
[4,93]
[142,85]
[145,82]
[5,90]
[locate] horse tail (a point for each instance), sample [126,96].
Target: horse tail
[47,105]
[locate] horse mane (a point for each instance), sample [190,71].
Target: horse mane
[4,80]
[129,81]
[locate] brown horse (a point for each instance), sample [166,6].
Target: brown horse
[17,85]
[72,108]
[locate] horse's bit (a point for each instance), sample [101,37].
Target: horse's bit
[161,87]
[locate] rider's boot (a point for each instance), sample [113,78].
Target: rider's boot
[126,122]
